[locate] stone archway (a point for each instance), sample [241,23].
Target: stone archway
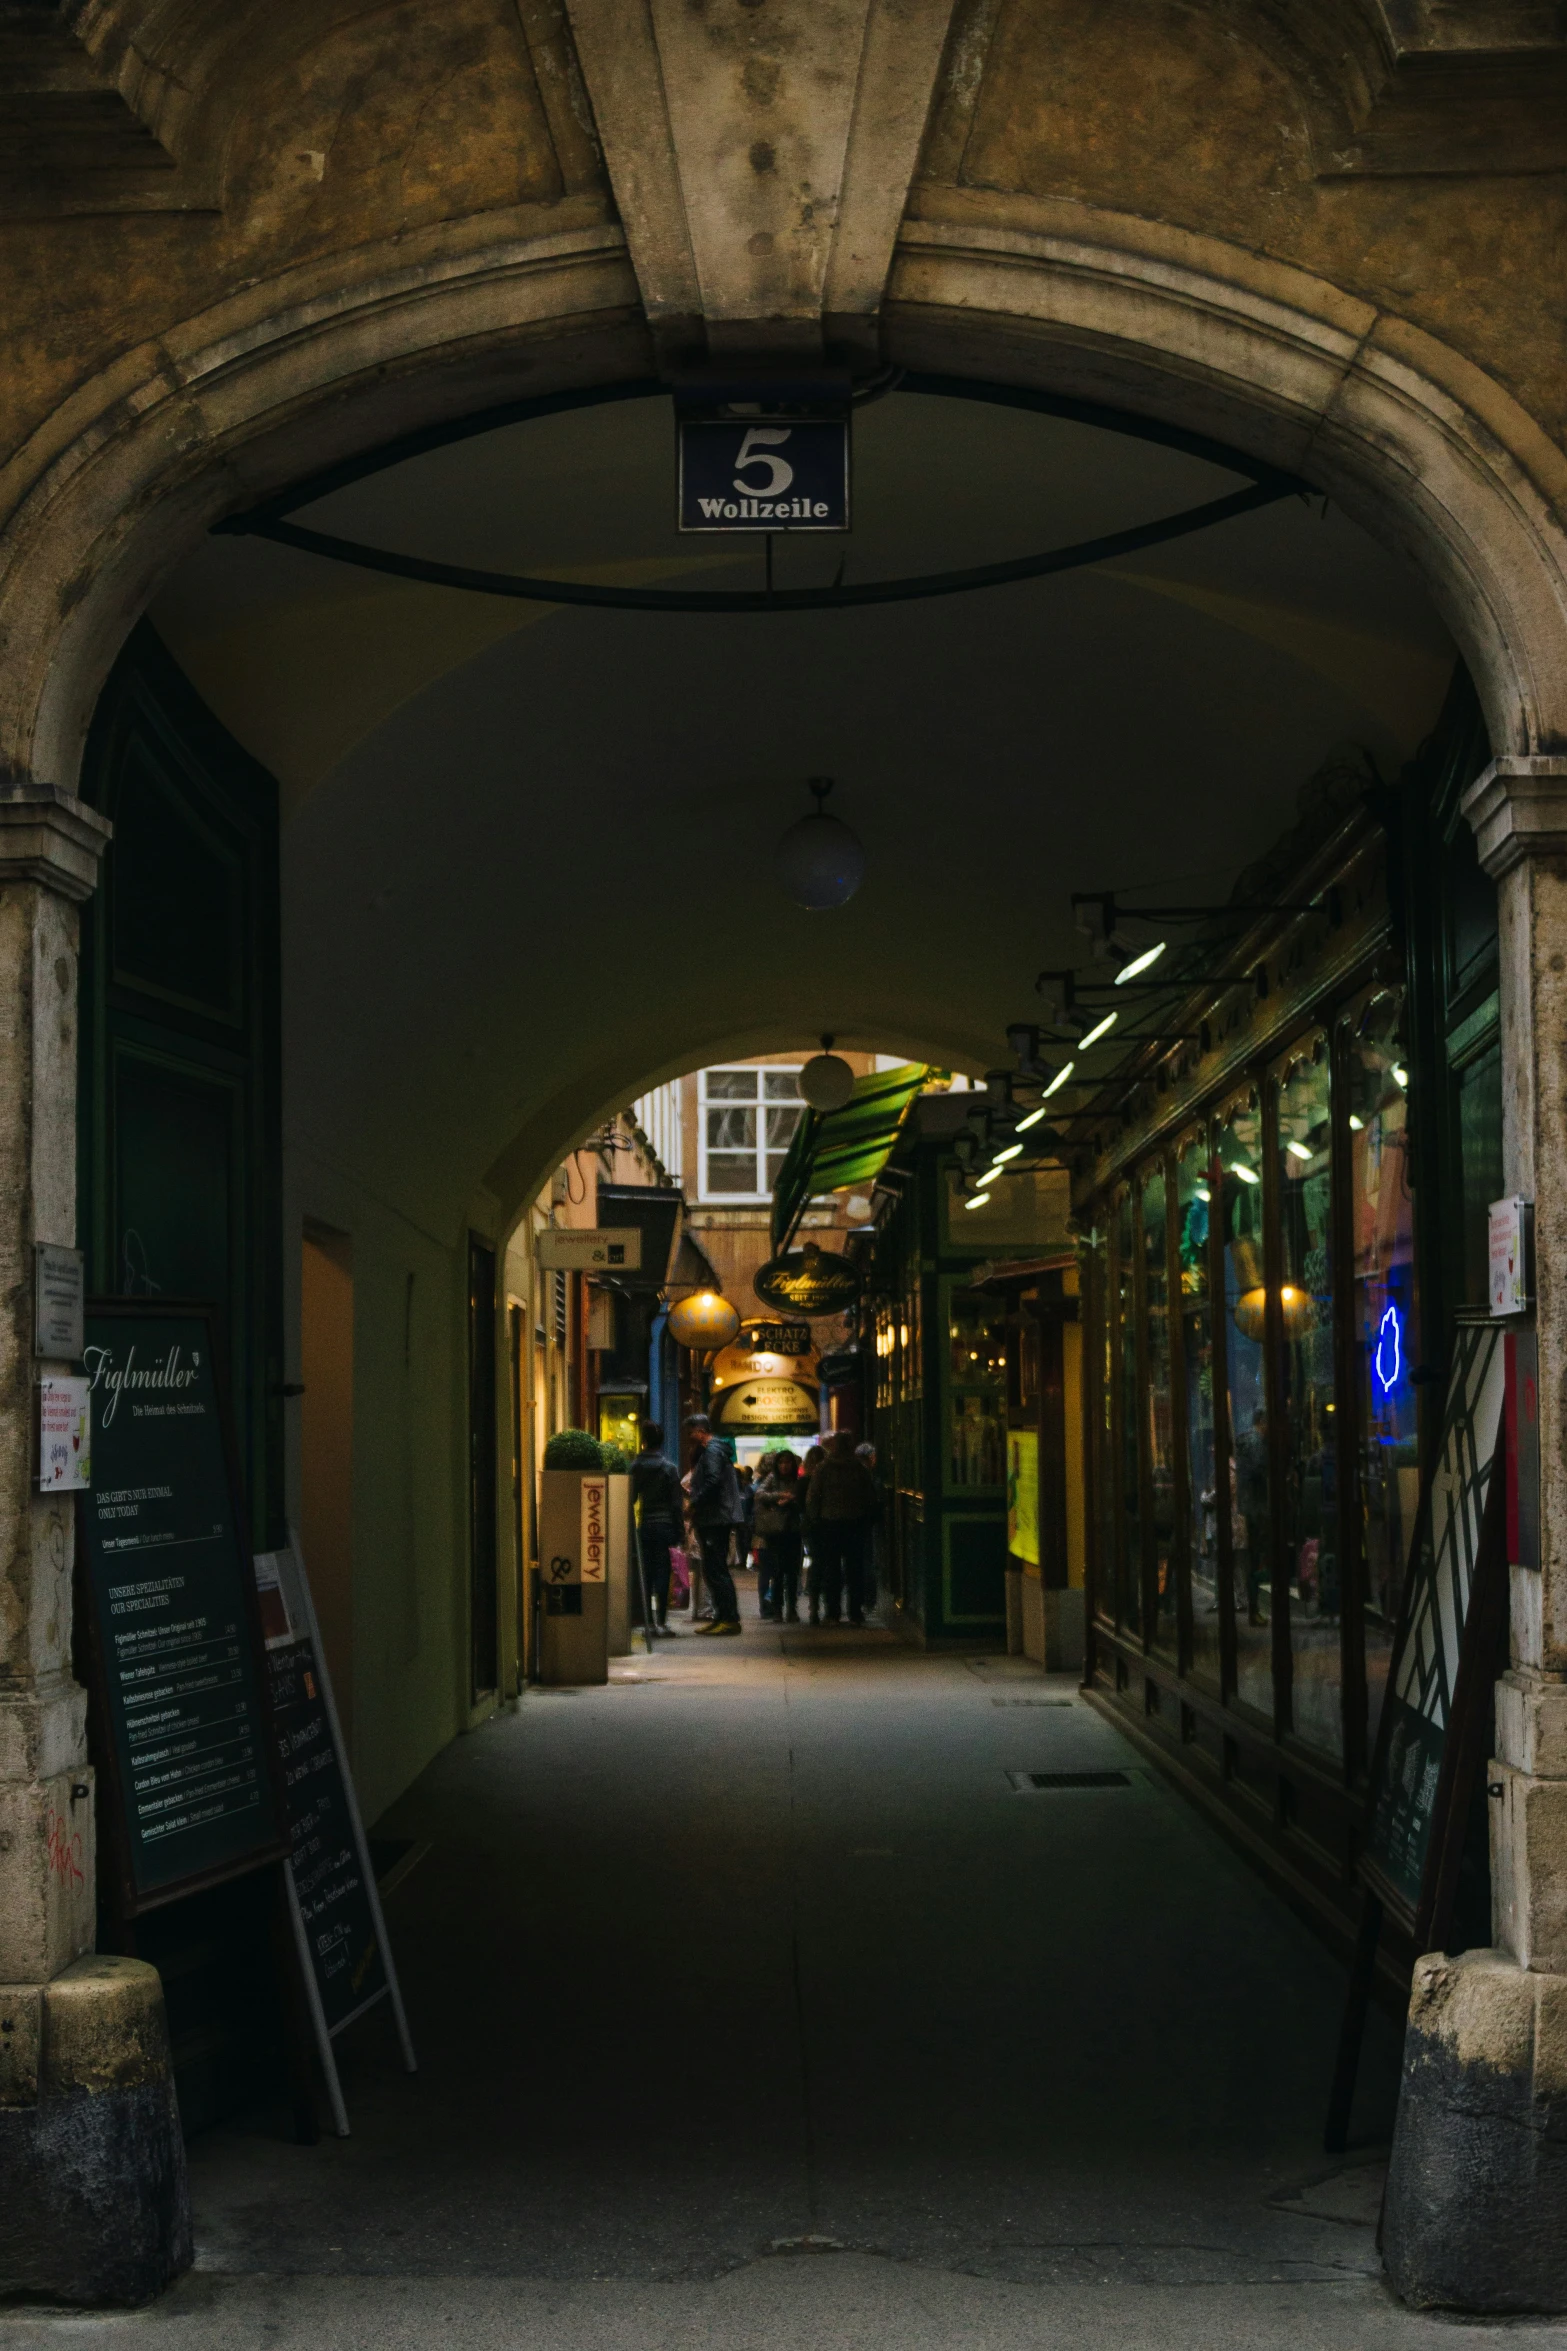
[1419,445]
[1431,453]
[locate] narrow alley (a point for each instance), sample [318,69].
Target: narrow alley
[771,1949]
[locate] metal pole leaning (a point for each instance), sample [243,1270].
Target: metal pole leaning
[647,1613]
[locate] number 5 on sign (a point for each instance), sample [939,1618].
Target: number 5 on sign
[754,451]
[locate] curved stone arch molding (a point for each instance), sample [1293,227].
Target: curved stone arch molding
[127,474]
[572,1117]
[1414,440]
[1421,446]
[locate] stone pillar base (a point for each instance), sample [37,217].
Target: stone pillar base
[1477,2188]
[95,2205]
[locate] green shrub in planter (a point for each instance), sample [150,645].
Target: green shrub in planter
[573,1449]
[617,1461]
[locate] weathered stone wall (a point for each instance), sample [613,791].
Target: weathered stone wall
[282,132]
[1215,119]
[306,131]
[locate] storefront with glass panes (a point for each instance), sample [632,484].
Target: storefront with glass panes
[1278,1235]
[937,1331]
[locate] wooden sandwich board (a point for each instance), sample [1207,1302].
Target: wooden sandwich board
[339,1928]
[1430,1746]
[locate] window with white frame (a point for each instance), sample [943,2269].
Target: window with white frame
[748,1118]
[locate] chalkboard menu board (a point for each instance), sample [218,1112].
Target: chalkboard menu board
[1424,1684]
[173,1642]
[330,1882]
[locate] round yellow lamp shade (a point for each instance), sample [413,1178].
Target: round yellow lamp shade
[1297,1307]
[703,1321]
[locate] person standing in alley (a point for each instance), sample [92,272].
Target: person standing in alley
[745,1477]
[840,1503]
[778,1539]
[870,1541]
[659,1503]
[814,1456]
[714,1501]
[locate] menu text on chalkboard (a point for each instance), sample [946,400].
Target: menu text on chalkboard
[329,1876]
[173,1641]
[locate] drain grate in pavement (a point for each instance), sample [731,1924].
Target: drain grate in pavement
[1030,1701]
[1029,1783]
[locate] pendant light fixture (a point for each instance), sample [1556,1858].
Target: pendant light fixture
[819,862]
[826,1081]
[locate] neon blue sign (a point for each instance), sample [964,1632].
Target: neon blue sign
[1388,1361]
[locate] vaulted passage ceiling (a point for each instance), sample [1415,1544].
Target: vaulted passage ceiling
[528,848]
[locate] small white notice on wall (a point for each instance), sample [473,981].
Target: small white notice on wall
[59,1292]
[1510,1256]
[64,1435]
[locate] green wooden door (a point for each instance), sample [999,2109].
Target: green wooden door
[179,1115]
[179,1142]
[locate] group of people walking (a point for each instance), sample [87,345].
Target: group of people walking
[812,1520]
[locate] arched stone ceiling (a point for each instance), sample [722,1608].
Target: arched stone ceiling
[527,852]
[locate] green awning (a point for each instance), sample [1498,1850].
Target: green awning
[838,1148]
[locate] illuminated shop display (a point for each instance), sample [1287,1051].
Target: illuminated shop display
[1272,1261]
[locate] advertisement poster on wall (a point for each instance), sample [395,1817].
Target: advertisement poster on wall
[1023,1495]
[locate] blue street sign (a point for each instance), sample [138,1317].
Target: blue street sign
[755,473]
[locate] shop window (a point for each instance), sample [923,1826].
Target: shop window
[1159,1435]
[1238,1175]
[1383,1323]
[1193,1202]
[1129,1551]
[1308,1398]
[748,1122]
[976,1391]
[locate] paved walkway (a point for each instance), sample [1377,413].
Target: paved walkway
[757,2006]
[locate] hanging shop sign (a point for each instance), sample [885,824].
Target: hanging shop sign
[752,1357]
[808,1281]
[591,1249]
[171,1632]
[764,473]
[766,1404]
[776,1338]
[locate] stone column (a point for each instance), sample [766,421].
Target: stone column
[1477,2196]
[94,2205]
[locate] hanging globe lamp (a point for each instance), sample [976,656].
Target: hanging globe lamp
[704,1322]
[819,862]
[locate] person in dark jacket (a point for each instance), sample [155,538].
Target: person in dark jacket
[745,1478]
[814,1456]
[659,1502]
[870,1534]
[840,1502]
[778,1539]
[713,1497]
